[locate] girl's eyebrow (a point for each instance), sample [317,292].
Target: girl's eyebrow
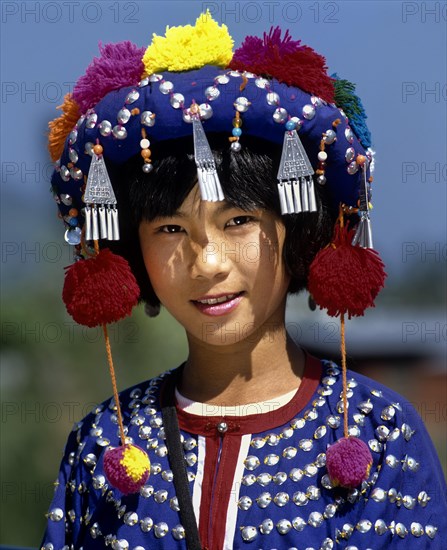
[222,207]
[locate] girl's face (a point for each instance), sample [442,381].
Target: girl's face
[217,269]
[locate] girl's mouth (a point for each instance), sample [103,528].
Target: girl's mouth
[218,305]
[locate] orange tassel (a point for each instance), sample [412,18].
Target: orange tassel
[60,127]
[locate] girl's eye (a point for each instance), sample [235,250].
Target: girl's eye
[170,229]
[239,220]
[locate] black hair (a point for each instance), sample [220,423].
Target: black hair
[248,179]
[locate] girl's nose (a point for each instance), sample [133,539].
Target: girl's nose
[209,260]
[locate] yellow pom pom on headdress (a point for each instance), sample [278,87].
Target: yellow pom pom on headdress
[190,47]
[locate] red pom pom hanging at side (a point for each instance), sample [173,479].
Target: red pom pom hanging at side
[100,290]
[345,278]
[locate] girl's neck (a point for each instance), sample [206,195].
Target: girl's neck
[260,367]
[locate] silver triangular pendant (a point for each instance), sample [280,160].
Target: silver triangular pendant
[295,167]
[209,184]
[98,190]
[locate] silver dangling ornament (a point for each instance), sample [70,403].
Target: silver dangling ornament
[295,181]
[363,234]
[101,214]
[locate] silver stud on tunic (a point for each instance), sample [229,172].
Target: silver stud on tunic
[300,498]
[251,462]
[283,526]
[289,452]
[121,544]
[160,496]
[266,527]
[333,421]
[248,480]
[244,503]
[146,491]
[271,460]
[380,527]
[161,529]
[178,532]
[131,518]
[281,499]
[305,444]
[123,116]
[423,499]
[379,495]
[166,87]
[416,529]
[280,478]
[56,514]
[296,474]
[264,500]
[431,531]
[298,523]
[249,533]
[364,525]
[315,519]
[264,479]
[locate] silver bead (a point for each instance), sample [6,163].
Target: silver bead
[155,468]
[177,101]
[298,523]
[73,136]
[401,530]
[161,529]
[65,175]
[95,531]
[364,525]
[280,478]
[273,440]
[347,530]
[155,77]
[329,511]
[72,153]
[376,393]
[56,514]
[137,420]
[350,154]
[144,432]
[297,121]
[73,236]
[296,474]
[354,431]
[131,518]
[388,413]
[382,432]
[423,499]
[280,115]
[123,116]
[262,83]
[380,527]
[329,380]
[392,461]
[308,112]
[119,132]
[266,527]
[416,529]
[211,93]
[167,475]
[191,459]
[353,168]
[315,519]
[121,544]
[327,544]
[88,148]
[316,101]
[305,444]
[222,79]
[105,128]
[146,524]
[264,499]
[359,418]
[281,499]
[189,444]
[310,470]
[313,492]
[241,104]
[248,480]
[90,459]
[407,432]
[248,74]
[289,452]
[375,445]
[272,98]
[410,464]
[173,504]
[244,503]
[271,460]
[394,435]
[287,433]
[298,423]
[178,532]
[326,390]
[431,531]
[131,97]
[147,118]
[264,479]
[166,87]
[143,83]
[249,533]
[409,502]
[222,427]
[161,496]
[329,137]
[257,442]
[156,422]
[205,111]
[283,526]
[333,421]
[146,491]
[320,432]
[98,481]
[379,495]
[349,135]
[236,146]
[326,482]
[251,462]
[147,169]
[234,73]
[300,498]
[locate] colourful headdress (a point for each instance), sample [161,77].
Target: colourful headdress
[189,83]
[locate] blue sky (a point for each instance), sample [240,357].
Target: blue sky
[394,51]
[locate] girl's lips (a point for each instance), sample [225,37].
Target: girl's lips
[221,308]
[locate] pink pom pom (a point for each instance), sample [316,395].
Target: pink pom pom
[118,66]
[348,462]
[127,468]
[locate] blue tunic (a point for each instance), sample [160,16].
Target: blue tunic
[262,484]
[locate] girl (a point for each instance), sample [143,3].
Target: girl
[250,442]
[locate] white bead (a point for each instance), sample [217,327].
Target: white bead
[322,155]
[144,143]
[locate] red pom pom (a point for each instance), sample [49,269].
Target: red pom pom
[127,468]
[100,290]
[287,61]
[348,462]
[345,278]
